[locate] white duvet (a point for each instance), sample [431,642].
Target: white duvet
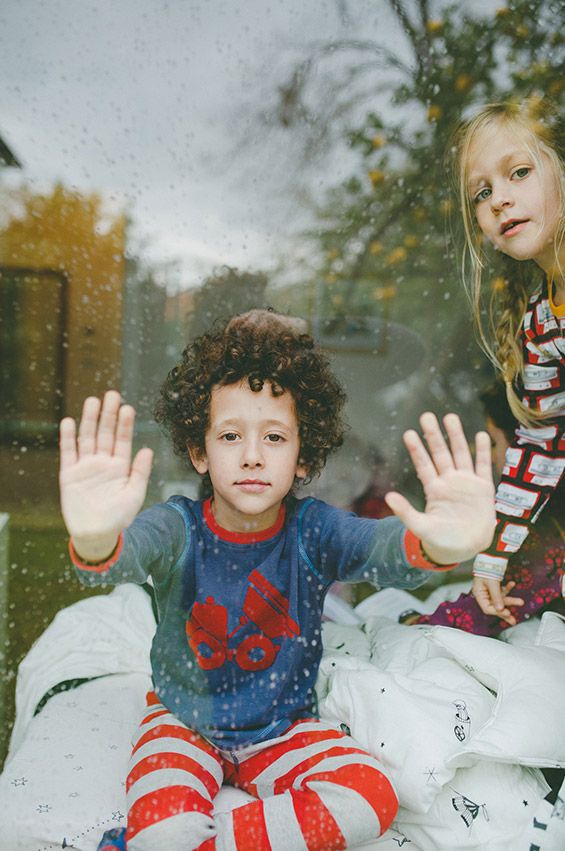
[462,723]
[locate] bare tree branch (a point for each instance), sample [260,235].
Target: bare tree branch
[371,46]
[405,21]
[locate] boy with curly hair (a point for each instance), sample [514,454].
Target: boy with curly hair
[240,580]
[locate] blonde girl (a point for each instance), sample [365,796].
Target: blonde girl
[510,167]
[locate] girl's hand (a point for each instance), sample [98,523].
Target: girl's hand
[101,489]
[459,517]
[493,599]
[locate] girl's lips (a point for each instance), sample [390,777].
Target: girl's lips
[513,227]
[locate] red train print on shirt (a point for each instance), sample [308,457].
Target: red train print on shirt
[264,606]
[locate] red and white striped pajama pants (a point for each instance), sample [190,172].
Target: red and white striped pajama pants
[317,790]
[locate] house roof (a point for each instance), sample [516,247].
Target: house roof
[7,157]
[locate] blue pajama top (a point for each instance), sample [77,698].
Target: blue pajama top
[238,642]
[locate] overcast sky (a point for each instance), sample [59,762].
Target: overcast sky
[147,101]
[155,104]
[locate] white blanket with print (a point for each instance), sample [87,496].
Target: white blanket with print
[462,724]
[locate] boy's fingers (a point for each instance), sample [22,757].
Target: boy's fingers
[422,462]
[124,433]
[107,426]
[438,449]
[67,443]
[460,452]
[141,467]
[483,456]
[88,425]
[400,506]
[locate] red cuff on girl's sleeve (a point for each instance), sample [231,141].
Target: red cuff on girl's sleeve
[416,557]
[101,566]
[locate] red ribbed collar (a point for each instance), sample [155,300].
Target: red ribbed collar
[241,537]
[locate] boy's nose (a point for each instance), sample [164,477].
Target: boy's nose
[256,464]
[252,455]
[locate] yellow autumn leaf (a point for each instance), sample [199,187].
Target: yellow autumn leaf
[463,83]
[376,177]
[397,255]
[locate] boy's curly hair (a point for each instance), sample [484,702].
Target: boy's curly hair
[258,346]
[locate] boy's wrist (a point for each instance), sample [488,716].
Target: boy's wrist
[418,556]
[88,553]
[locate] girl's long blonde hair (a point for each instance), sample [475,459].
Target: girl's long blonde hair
[542,129]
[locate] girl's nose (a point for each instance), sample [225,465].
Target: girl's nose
[501,197]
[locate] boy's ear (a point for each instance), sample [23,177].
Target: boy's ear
[301,471]
[199,460]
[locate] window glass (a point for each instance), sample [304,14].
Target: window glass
[166,164]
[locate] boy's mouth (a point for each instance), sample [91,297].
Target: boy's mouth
[512,226]
[252,485]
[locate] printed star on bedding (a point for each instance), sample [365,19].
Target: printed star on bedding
[43,808]
[19,781]
[117,816]
[431,774]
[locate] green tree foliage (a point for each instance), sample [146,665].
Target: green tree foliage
[381,236]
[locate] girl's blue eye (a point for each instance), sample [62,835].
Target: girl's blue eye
[521,172]
[482,195]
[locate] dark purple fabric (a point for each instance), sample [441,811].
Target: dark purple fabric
[537,569]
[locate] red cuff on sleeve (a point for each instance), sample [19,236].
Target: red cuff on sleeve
[416,557]
[99,567]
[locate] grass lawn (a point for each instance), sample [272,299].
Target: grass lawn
[40,582]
